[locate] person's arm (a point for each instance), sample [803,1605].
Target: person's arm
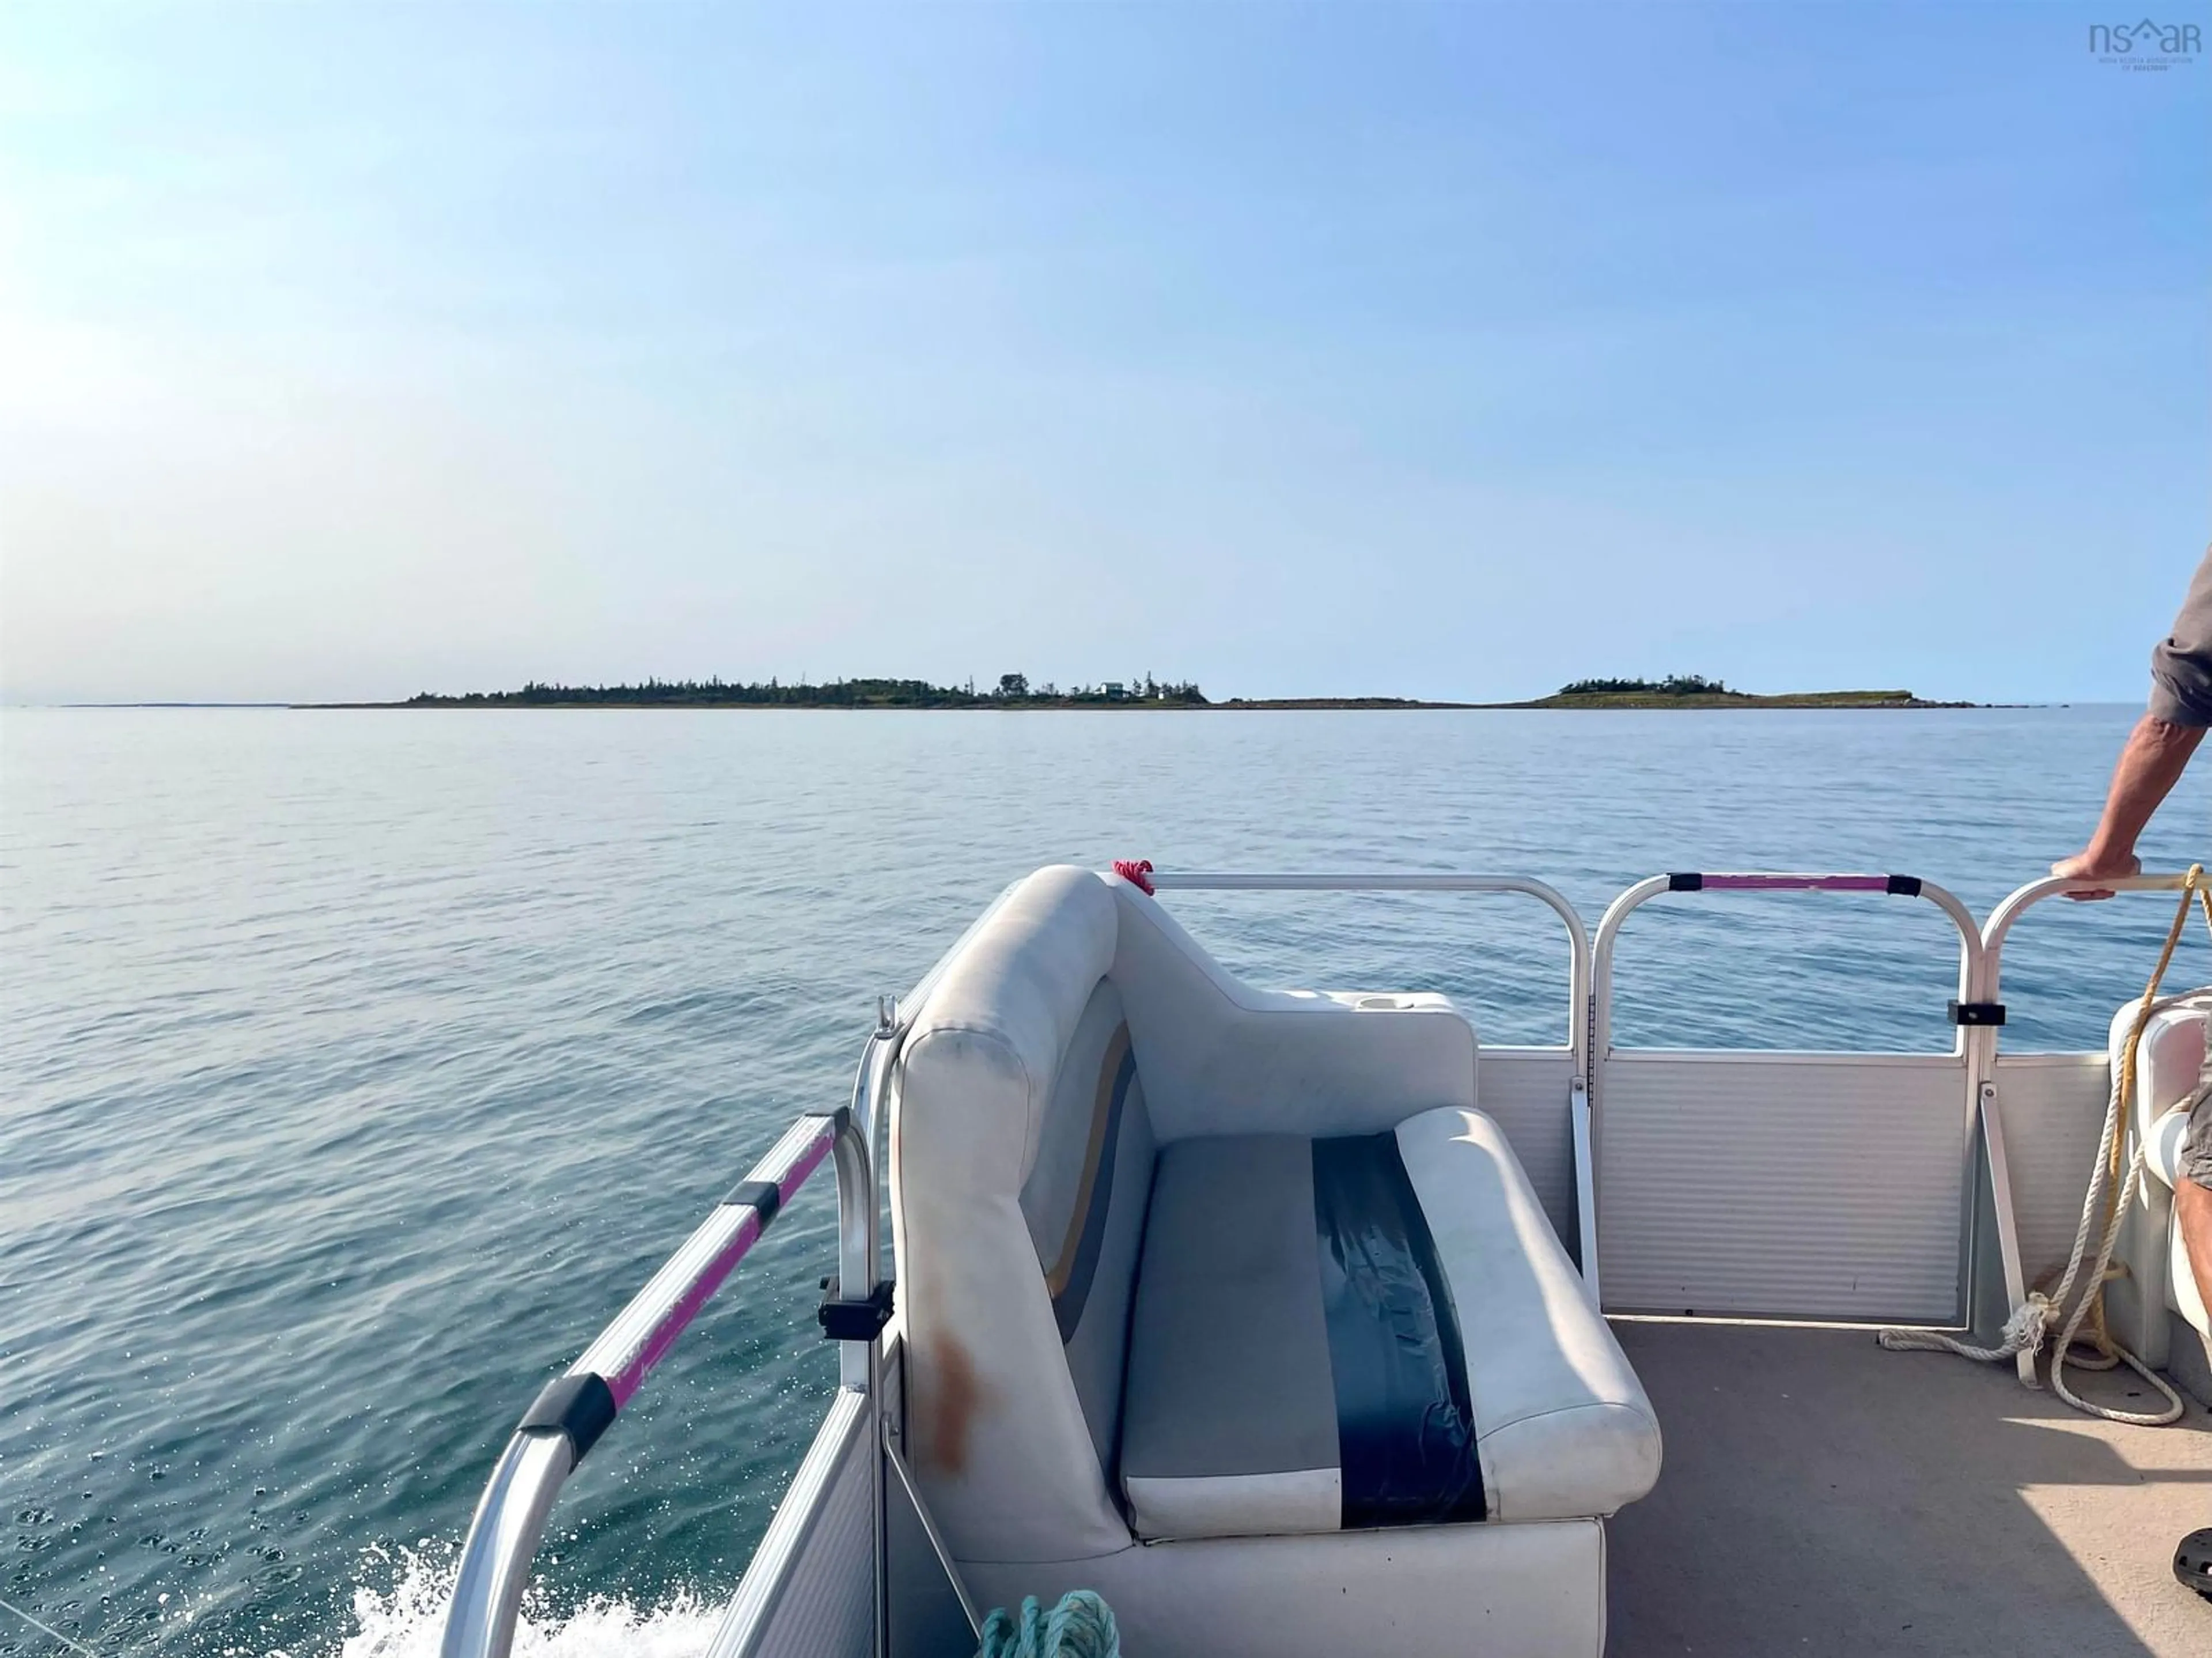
[2159,747]
[2150,765]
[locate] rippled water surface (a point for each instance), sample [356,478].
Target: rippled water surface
[355,1067]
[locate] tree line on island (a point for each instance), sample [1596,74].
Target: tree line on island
[1013,690]
[1675,684]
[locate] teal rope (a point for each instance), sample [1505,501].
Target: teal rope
[1080,1626]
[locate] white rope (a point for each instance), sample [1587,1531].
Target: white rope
[2081,1308]
[2029,1327]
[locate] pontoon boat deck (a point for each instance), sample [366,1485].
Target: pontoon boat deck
[1305,1322]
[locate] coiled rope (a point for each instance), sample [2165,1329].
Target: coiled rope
[2030,1326]
[1080,1626]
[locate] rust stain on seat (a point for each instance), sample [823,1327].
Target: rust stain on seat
[955,1396]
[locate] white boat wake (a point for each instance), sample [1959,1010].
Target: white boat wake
[405,1619]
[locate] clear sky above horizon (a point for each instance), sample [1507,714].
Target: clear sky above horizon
[1448,351]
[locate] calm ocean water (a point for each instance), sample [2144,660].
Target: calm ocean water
[355,1067]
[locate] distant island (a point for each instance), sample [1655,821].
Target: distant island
[1013,690]
[1696,691]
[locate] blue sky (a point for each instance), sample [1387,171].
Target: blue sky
[1451,351]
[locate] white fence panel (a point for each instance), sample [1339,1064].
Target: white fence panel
[1524,1090]
[809,1591]
[1821,1185]
[2053,1106]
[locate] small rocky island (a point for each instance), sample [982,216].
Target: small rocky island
[1696,691]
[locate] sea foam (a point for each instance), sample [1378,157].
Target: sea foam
[405,1619]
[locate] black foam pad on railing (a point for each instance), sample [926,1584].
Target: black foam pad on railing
[764,1195]
[581,1407]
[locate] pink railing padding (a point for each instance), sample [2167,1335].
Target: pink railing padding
[1795,883]
[625,1382]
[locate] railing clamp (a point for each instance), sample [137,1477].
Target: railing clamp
[854,1321]
[887,1009]
[1976,1013]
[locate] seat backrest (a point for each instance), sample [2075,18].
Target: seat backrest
[2169,1060]
[1021,1160]
[2169,1064]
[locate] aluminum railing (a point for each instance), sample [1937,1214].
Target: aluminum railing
[1991,992]
[1907,886]
[1579,943]
[1638,1100]
[568,1418]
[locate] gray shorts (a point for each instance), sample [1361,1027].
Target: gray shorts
[2197,1148]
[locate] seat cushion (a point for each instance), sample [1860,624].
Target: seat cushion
[1365,1331]
[1562,1423]
[1228,1414]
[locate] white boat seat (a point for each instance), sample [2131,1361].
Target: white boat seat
[1366,1330]
[2162,1148]
[1201,1284]
[2157,1279]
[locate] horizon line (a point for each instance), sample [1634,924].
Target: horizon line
[1373,703]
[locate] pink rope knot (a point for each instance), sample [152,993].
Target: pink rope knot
[1137,873]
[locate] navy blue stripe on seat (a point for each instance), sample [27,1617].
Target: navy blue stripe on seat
[1405,1422]
[1067,1304]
